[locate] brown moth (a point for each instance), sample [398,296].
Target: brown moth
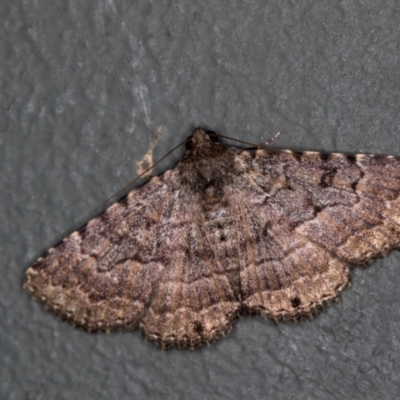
[226,232]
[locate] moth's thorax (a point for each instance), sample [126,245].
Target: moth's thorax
[207,163]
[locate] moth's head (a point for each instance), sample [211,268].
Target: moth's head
[199,137]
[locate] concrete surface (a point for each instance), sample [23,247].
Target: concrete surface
[85,85]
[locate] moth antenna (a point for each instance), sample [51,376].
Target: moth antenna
[237,140]
[269,141]
[138,177]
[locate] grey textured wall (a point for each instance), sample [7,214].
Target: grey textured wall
[84,86]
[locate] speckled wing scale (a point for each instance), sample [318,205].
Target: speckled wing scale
[228,231]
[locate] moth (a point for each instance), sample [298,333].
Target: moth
[228,231]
